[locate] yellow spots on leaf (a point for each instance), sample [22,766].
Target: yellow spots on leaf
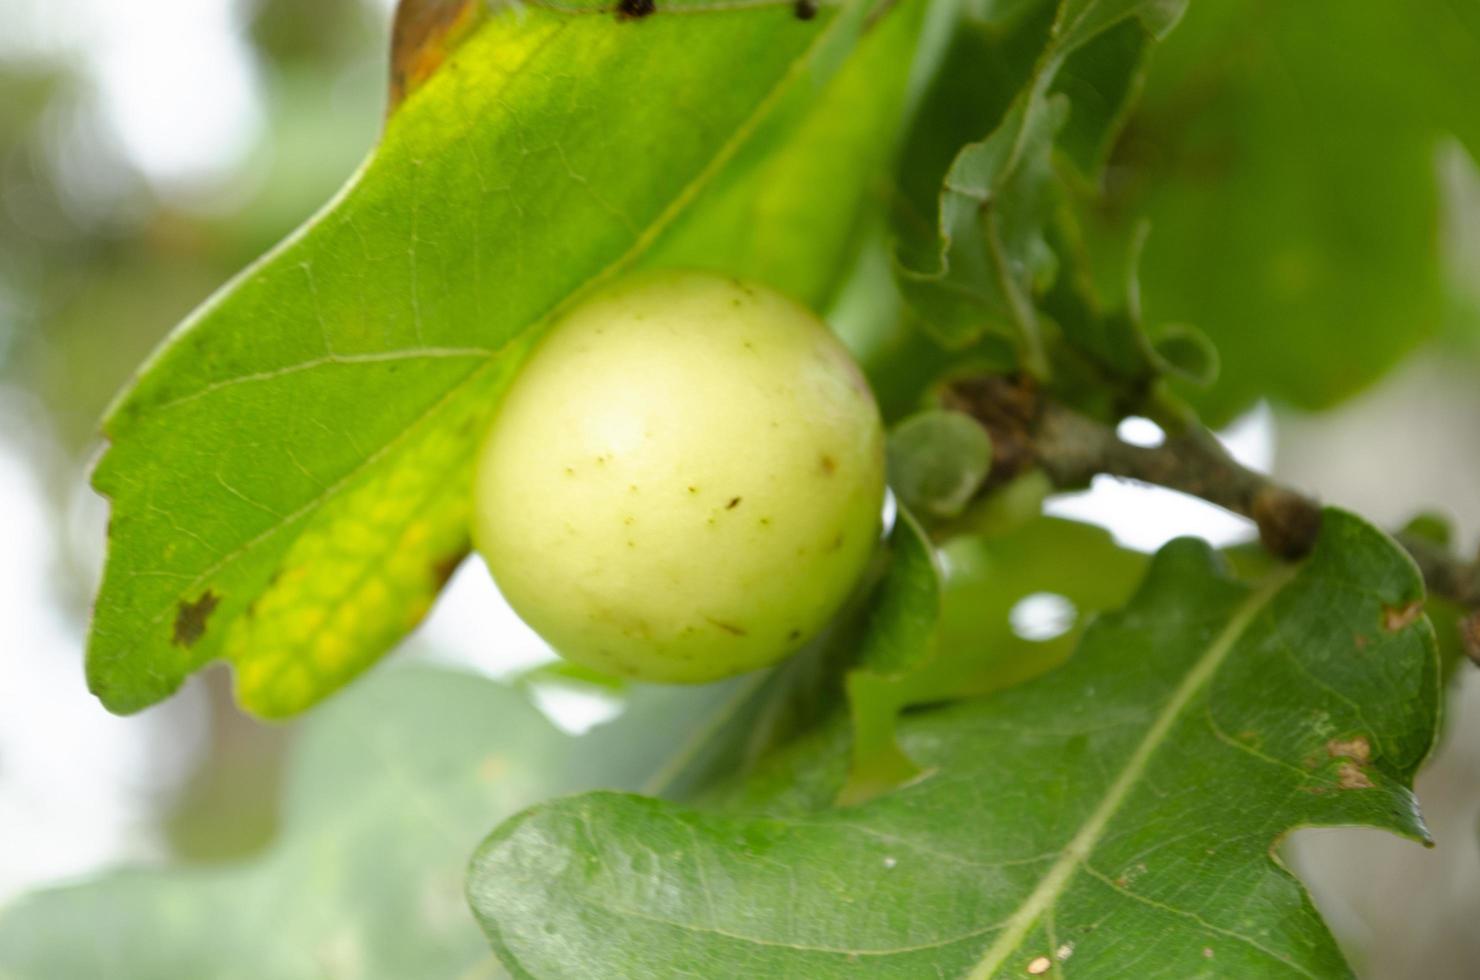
[364,571]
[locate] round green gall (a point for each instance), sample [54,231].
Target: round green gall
[684,482]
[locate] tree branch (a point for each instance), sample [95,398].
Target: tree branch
[1031,431]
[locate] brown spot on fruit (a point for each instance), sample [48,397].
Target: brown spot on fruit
[191,619]
[1395,618]
[827,463]
[734,502]
[729,628]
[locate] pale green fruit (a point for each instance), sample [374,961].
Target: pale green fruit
[684,482]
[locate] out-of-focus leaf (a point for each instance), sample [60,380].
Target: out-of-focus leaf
[900,636]
[390,789]
[937,462]
[290,474]
[1101,81]
[1286,157]
[1114,817]
[978,266]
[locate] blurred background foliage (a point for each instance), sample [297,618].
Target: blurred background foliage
[1308,170]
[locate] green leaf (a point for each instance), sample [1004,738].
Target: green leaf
[963,642]
[290,474]
[985,260]
[937,462]
[993,257]
[1113,818]
[789,209]
[903,620]
[1256,152]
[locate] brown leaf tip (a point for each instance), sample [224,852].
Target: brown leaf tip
[192,617]
[1395,618]
[425,33]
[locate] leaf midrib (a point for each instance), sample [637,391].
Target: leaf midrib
[1054,882]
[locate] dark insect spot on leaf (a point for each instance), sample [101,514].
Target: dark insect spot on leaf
[1394,619]
[734,502]
[191,619]
[794,635]
[805,9]
[729,628]
[693,489]
[635,9]
[837,543]
[827,464]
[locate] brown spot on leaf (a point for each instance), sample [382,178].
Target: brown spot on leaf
[1395,618]
[191,619]
[729,628]
[635,9]
[1350,776]
[425,33]
[1360,640]
[1357,749]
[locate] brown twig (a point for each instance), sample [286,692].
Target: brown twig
[1032,431]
